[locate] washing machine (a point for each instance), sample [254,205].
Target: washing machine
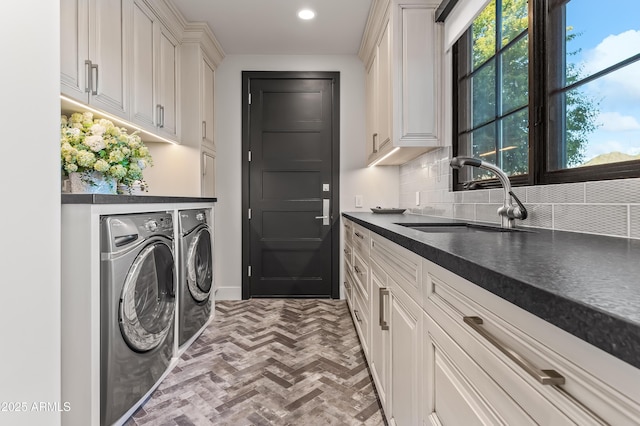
[195,298]
[137,308]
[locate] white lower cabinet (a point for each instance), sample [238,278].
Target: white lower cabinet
[405,331]
[443,351]
[380,356]
[396,332]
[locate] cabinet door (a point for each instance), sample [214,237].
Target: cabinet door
[208,76]
[74,48]
[144,108]
[406,350]
[108,31]
[370,92]
[167,90]
[383,103]
[208,174]
[380,353]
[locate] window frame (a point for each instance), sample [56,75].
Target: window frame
[539,172]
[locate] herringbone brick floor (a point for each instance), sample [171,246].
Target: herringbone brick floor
[269,362]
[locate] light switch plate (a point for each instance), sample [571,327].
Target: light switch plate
[359,201]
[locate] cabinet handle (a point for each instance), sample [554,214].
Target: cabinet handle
[358,271]
[546,377]
[355,312]
[162,116]
[384,325]
[97,80]
[159,115]
[359,235]
[88,76]
[204,130]
[346,252]
[375,145]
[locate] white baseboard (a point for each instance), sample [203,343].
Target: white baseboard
[229,293]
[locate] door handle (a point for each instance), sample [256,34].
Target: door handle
[325,212]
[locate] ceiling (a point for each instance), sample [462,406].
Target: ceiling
[272,26]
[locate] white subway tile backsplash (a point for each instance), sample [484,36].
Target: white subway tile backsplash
[565,194]
[477,196]
[464,211]
[440,210]
[487,213]
[613,191]
[606,207]
[634,221]
[539,216]
[591,218]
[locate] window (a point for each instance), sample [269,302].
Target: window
[573,73]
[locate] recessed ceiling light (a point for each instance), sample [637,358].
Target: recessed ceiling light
[306,14]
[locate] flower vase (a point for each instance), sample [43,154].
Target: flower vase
[91,183]
[136,188]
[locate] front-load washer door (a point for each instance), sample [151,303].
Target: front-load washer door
[200,265]
[147,302]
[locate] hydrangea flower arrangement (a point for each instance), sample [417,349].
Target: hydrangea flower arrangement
[88,144]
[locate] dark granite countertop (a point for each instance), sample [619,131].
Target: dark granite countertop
[130,199]
[588,285]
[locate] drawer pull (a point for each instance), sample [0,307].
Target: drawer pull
[546,377]
[355,312]
[359,235]
[358,271]
[347,252]
[384,325]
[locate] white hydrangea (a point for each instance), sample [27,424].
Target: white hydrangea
[98,129]
[95,142]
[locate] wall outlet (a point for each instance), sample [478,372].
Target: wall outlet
[417,198]
[359,201]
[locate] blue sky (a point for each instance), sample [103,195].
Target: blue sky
[610,32]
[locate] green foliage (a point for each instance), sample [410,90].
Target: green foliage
[581,110]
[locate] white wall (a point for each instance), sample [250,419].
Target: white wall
[378,186]
[30,214]
[175,171]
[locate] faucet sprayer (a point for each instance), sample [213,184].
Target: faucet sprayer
[508,212]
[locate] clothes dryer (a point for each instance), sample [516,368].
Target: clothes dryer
[137,308]
[195,298]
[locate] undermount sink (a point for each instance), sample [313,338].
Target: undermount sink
[457,227]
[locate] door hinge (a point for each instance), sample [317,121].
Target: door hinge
[249,214]
[249,271]
[249,156]
[249,98]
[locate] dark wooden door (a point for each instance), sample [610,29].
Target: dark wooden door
[290,133]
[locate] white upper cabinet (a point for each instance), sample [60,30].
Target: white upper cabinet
[143,100]
[402,50]
[200,54]
[206,102]
[168,82]
[94,54]
[154,68]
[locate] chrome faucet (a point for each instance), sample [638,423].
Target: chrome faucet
[508,212]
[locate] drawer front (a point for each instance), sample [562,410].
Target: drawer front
[402,265]
[459,391]
[348,254]
[348,285]
[361,241]
[360,272]
[360,315]
[348,230]
[504,351]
